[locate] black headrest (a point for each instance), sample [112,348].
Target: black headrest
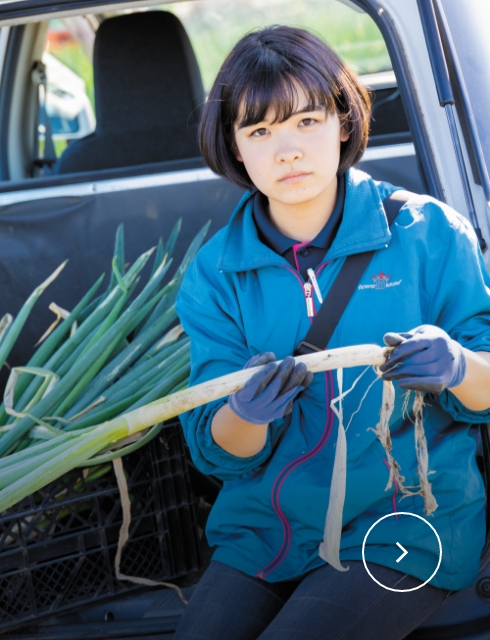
[144,66]
[148,91]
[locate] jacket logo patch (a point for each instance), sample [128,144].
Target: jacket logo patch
[381,281]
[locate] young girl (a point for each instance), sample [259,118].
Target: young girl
[287,120]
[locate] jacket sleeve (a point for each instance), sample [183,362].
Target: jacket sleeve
[461,306]
[211,318]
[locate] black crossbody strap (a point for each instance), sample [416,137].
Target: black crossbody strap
[344,286]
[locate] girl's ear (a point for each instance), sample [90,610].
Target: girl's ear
[344,128]
[234,149]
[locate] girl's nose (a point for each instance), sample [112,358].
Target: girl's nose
[288,154]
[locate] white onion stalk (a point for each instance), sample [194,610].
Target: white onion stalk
[42,468]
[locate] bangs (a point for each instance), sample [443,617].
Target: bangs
[280,93]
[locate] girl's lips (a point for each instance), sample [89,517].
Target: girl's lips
[293,177]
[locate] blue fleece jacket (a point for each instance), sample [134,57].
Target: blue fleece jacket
[240,298]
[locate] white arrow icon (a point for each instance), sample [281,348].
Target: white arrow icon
[404,552]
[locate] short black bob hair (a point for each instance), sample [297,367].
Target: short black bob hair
[261,70]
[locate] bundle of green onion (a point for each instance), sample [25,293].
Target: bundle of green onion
[112,354]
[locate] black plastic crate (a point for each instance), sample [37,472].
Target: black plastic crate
[57,546]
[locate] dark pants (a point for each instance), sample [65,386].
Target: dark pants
[326,605]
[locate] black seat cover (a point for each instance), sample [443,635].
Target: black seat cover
[148,90]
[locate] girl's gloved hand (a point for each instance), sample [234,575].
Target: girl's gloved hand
[424,359]
[270,393]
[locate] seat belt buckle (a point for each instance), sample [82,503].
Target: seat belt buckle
[304,348]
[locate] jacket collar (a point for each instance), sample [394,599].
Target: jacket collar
[364,227]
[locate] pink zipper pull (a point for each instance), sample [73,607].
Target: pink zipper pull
[309,299]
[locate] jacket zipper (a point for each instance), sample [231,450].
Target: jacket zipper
[309,300]
[280,479]
[308,287]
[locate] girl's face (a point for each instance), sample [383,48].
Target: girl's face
[296,161]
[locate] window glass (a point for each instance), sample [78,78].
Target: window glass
[214,26]
[70,85]
[468,25]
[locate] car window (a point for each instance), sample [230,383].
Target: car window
[215,25]
[70,87]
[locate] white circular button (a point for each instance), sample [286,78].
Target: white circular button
[399,550]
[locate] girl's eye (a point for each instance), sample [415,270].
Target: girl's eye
[259,133]
[307,122]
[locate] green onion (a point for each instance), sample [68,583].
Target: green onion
[112,354]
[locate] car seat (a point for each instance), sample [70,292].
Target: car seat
[148,90]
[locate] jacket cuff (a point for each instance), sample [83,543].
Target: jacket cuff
[220,458]
[457,410]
